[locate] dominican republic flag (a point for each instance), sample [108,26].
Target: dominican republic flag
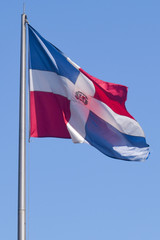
[67,102]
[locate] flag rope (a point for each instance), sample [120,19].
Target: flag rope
[28,191]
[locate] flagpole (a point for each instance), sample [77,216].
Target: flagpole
[22,136]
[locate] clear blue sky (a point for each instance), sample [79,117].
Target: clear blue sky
[74,191]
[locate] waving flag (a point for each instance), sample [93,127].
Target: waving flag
[67,102]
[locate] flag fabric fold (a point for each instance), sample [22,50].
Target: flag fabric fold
[67,102]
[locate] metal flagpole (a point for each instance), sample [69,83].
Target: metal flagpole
[22,137]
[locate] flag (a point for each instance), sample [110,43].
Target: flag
[67,102]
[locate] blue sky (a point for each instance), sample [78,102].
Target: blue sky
[74,191]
